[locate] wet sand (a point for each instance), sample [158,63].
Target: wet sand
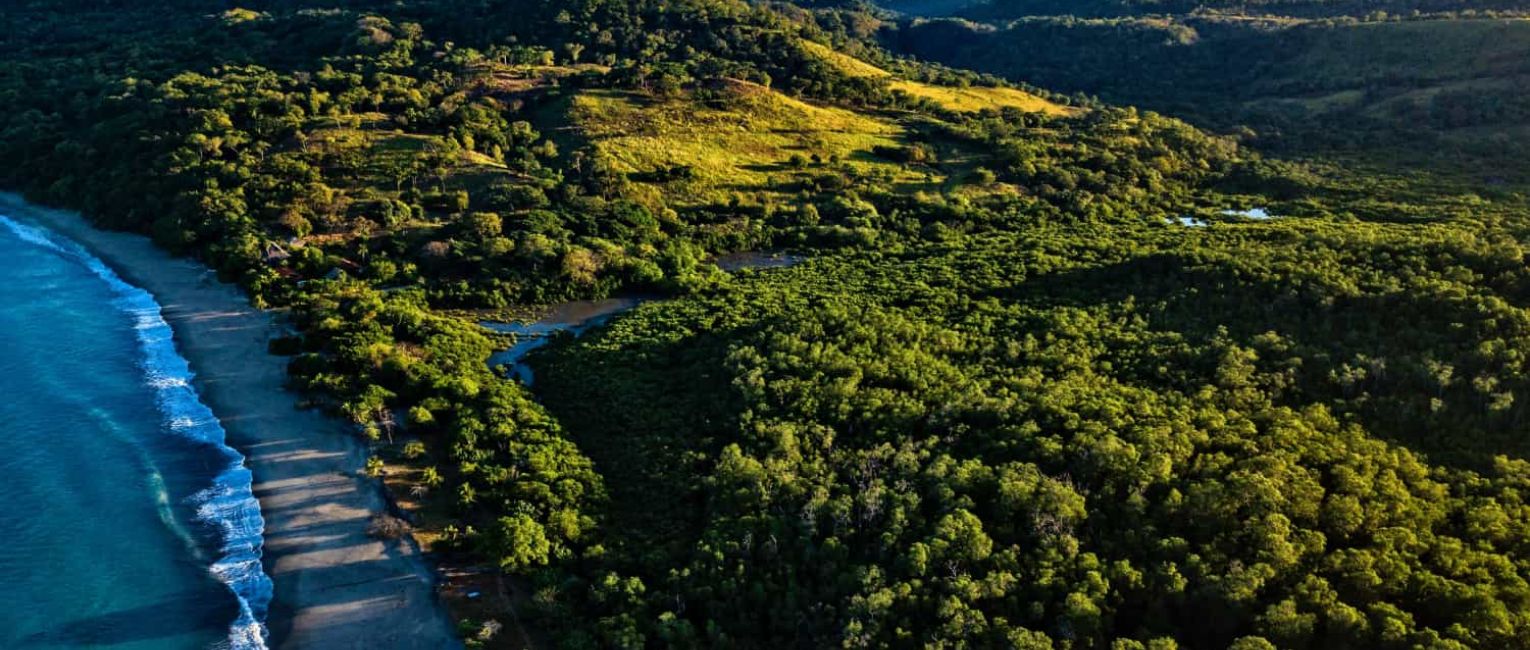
[335,587]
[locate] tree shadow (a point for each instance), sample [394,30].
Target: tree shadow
[1368,354]
[656,414]
[334,586]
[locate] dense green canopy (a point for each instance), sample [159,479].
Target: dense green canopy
[1043,382]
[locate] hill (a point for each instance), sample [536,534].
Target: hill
[962,97]
[1039,371]
[744,139]
[1010,9]
[1391,91]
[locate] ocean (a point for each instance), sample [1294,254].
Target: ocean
[127,522]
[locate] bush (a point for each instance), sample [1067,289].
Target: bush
[388,527]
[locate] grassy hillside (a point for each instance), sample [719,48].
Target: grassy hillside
[1008,9]
[1051,373]
[1387,90]
[844,63]
[960,98]
[977,98]
[742,139]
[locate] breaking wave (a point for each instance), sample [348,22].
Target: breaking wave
[228,506]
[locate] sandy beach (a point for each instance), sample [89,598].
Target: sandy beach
[335,587]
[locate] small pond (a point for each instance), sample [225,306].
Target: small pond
[1251,213]
[1260,214]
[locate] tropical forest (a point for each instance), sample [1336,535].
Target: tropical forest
[1107,324]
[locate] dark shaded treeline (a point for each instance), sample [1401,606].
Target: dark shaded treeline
[1018,406]
[1401,94]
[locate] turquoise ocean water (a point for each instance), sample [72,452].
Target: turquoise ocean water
[126,521]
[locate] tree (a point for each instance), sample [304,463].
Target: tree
[519,542]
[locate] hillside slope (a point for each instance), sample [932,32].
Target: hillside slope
[1394,89]
[1031,371]
[1010,9]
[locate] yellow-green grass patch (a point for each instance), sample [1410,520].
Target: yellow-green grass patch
[971,99]
[739,145]
[978,98]
[842,62]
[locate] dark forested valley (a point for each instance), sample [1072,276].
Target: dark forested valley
[1146,327]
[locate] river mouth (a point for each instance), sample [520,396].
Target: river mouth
[579,316]
[575,317]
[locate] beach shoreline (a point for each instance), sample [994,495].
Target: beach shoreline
[335,587]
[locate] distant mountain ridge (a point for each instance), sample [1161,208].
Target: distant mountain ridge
[1431,83]
[1010,9]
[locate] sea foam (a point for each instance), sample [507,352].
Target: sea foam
[229,504]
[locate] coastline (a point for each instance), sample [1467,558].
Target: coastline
[335,587]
